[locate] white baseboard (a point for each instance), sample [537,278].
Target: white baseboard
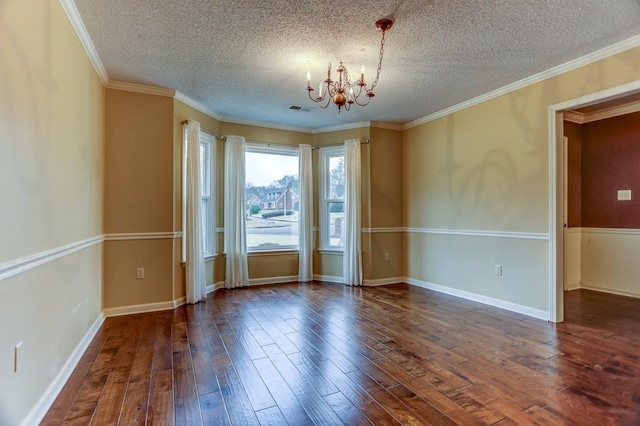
[513,307]
[274,280]
[39,410]
[215,286]
[610,290]
[382,281]
[139,309]
[573,286]
[328,278]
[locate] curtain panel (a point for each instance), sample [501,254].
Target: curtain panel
[305,215]
[235,241]
[196,285]
[352,257]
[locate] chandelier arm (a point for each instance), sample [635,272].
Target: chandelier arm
[341,91]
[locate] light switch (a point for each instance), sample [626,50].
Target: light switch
[624,194]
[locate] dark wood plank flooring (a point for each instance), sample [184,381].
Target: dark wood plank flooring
[325,354]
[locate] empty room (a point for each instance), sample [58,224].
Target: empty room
[319,213]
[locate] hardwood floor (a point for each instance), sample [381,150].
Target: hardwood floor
[325,354]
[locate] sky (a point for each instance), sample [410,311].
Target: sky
[262,169]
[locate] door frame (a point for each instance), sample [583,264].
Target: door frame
[557,195]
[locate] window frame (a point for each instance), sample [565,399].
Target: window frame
[325,182]
[209,142]
[260,148]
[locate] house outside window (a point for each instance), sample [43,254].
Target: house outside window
[332,198]
[271,195]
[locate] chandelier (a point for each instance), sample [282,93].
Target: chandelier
[343,91]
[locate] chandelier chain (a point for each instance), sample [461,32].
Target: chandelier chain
[375,82]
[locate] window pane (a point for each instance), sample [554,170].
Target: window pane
[271,200]
[336,223]
[205,169]
[205,215]
[336,177]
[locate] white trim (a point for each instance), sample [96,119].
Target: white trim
[215,286]
[573,286]
[536,78]
[272,252]
[382,230]
[491,234]
[247,122]
[142,236]
[573,230]
[332,252]
[140,88]
[610,290]
[616,111]
[574,117]
[273,280]
[197,105]
[81,31]
[139,309]
[348,126]
[385,125]
[179,302]
[556,187]
[509,306]
[46,400]
[328,278]
[611,231]
[15,267]
[383,281]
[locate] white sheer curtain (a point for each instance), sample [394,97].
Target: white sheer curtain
[305,215]
[196,282]
[235,241]
[352,258]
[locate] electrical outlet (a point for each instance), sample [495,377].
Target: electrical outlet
[18,356]
[499,270]
[140,274]
[386,257]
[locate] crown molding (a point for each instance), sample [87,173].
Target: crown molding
[385,125]
[573,117]
[337,128]
[234,120]
[197,105]
[81,31]
[536,78]
[612,112]
[140,88]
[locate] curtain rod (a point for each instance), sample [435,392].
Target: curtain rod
[222,137]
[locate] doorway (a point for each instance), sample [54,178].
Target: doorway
[557,161]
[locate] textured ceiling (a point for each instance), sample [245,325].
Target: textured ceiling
[247,59]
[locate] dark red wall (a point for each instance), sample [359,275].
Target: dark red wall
[610,159]
[573,132]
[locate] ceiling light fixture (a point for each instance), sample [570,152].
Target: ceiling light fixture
[343,91]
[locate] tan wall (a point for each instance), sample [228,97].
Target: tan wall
[51,174]
[485,168]
[139,197]
[386,205]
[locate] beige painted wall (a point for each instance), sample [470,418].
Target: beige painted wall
[386,205]
[51,174]
[139,197]
[485,168]
[608,260]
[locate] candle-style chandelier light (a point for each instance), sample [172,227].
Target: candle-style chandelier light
[343,91]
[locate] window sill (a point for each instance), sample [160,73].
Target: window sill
[210,256]
[334,252]
[272,252]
